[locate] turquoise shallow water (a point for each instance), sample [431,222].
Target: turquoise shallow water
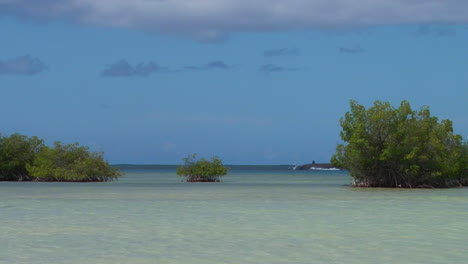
[252,216]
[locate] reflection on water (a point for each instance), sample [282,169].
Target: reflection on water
[252,216]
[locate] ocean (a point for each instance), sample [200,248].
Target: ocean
[256,214]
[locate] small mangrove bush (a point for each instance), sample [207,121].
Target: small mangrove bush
[25,158]
[202,170]
[400,147]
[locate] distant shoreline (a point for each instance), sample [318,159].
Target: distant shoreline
[234,167]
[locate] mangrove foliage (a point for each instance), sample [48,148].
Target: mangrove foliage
[202,170]
[400,147]
[25,158]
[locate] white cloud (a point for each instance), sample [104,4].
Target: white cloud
[213,19]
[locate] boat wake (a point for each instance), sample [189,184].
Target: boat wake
[324,169]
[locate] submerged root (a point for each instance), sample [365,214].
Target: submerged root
[202,179]
[365,183]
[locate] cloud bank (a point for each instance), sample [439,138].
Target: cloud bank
[437,30]
[22,65]
[210,20]
[214,65]
[273,68]
[282,52]
[122,68]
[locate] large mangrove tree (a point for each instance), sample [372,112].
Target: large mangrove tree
[400,147]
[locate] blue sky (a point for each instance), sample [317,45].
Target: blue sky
[254,82]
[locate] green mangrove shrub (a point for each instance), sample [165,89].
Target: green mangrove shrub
[73,163]
[25,158]
[202,170]
[400,147]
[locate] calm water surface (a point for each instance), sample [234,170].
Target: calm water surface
[252,216]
